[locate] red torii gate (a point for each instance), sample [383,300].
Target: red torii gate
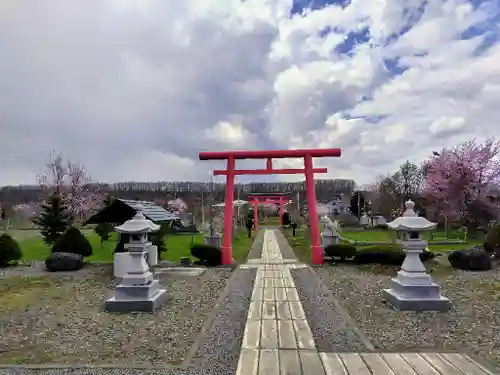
[257,198]
[230,172]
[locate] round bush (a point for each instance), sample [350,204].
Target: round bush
[207,254]
[64,262]
[73,241]
[10,250]
[342,251]
[473,259]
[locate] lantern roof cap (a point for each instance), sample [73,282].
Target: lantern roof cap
[410,221]
[138,224]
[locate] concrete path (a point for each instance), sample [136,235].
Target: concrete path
[278,340]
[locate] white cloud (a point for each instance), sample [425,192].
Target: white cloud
[135,89]
[230,135]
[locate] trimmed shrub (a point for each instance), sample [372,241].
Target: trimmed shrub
[64,262]
[342,251]
[74,242]
[474,259]
[381,226]
[286,219]
[492,240]
[120,246]
[390,254]
[427,255]
[209,255]
[10,251]
[158,239]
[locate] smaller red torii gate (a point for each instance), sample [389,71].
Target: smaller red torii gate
[230,172]
[279,198]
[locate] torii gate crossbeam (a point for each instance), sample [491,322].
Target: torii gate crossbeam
[231,172]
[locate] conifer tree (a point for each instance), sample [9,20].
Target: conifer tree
[103,230]
[54,219]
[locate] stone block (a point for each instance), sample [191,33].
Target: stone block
[399,302]
[150,305]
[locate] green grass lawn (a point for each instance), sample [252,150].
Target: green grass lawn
[178,246]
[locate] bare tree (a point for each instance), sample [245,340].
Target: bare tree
[384,197]
[407,180]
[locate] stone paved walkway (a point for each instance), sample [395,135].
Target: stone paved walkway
[278,340]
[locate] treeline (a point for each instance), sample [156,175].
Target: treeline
[325,189]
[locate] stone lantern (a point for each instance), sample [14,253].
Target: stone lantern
[138,291]
[413,289]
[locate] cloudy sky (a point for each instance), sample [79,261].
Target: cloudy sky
[134,89]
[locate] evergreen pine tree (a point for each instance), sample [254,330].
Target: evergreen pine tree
[54,219]
[103,230]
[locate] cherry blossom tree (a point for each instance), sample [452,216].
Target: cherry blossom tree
[458,182]
[177,206]
[25,211]
[72,182]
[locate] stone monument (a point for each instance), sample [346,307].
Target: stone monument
[413,289]
[213,237]
[330,234]
[138,290]
[379,220]
[365,220]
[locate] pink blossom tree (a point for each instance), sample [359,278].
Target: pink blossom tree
[458,182]
[72,182]
[177,206]
[25,211]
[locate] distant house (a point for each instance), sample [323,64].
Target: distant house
[338,204]
[122,210]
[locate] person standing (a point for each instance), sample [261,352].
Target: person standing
[293,224]
[249,225]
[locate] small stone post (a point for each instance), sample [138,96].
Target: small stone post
[330,235]
[213,237]
[412,288]
[138,290]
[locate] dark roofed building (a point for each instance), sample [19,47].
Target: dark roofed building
[122,210]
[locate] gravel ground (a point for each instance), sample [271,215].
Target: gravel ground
[256,249]
[218,351]
[285,248]
[471,325]
[37,269]
[61,319]
[218,354]
[331,327]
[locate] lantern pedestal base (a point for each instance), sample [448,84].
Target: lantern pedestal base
[417,302]
[138,305]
